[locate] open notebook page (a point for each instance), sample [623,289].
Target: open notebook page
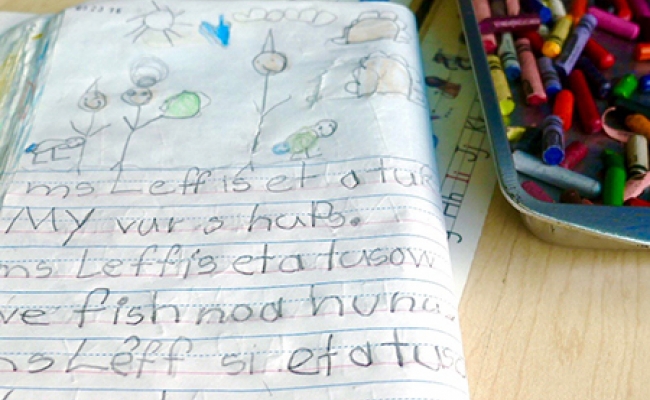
[224,200]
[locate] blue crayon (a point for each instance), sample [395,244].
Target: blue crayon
[537,7]
[549,75]
[508,56]
[575,44]
[600,85]
[644,84]
[552,140]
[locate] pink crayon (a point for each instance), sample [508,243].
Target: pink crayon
[614,25]
[482,11]
[513,7]
[530,77]
[536,191]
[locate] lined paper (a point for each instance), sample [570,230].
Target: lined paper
[218,200]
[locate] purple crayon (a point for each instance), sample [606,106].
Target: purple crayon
[615,25]
[517,23]
[575,44]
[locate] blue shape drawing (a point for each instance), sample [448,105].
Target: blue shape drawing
[219,34]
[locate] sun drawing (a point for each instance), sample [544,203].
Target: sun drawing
[162,20]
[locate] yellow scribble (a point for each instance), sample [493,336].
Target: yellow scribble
[39,36]
[7,72]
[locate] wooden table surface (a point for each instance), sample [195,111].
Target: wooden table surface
[540,322]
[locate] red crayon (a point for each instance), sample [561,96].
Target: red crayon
[563,108]
[573,154]
[587,110]
[637,203]
[642,52]
[598,55]
[578,9]
[623,9]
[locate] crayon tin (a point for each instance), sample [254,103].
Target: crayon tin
[576,225]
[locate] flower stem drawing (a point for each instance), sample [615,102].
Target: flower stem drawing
[145,74]
[92,101]
[267,63]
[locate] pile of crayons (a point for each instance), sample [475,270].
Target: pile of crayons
[559,66]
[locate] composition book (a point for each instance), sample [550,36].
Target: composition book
[222,200]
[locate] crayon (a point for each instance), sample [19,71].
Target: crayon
[553,43]
[531,80]
[563,108]
[644,84]
[638,123]
[598,55]
[536,40]
[637,203]
[578,9]
[557,9]
[615,176]
[642,52]
[636,156]
[498,8]
[552,140]
[574,154]
[537,7]
[555,175]
[587,110]
[504,95]
[508,55]
[597,81]
[615,25]
[623,10]
[530,142]
[482,11]
[515,133]
[575,44]
[571,196]
[549,76]
[513,7]
[536,191]
[625,86]
[518,23]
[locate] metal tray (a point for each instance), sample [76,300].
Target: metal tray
[594,226]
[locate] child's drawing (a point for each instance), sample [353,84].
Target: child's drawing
[306,139]
[51,146]
[382,74]
[374,25]
[145,74]
[448,88]
[267,63]
[219,34]
[92,101]
[310,16]
[160,21]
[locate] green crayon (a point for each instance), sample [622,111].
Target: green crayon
[626,86]
[615,176]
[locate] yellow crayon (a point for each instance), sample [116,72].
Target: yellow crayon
[554,42]
[504,95]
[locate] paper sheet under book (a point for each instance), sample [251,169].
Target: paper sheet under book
[463,152]
[224,200]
